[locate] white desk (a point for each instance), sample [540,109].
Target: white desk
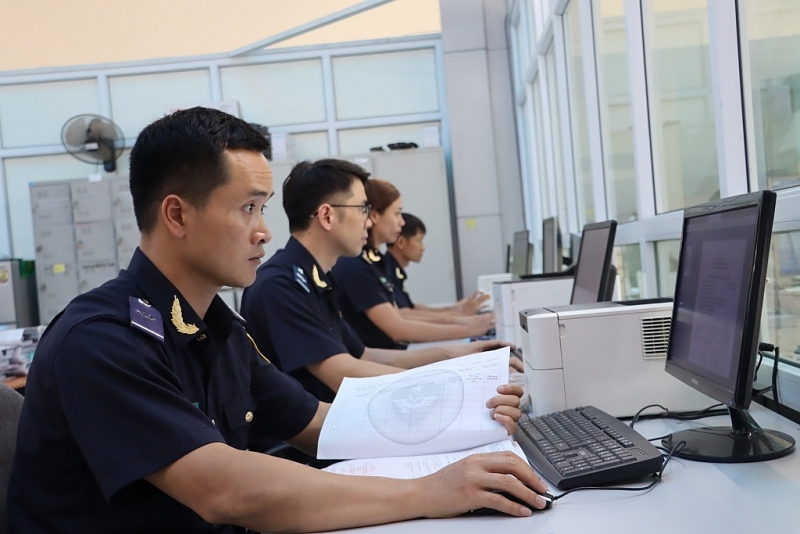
[693,498]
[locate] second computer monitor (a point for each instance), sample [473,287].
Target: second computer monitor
[593,276]
[521,254]
[551,246]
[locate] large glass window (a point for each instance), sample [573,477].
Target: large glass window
[577,113]
[540,166]
[773,44]
[628,261]
[681,104]
[555,129]
[615,109]
[782,295]
[667,255]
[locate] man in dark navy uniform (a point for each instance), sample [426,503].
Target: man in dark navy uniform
[146,393]
[408,248]
[291,308]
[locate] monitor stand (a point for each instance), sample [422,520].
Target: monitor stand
[743,441]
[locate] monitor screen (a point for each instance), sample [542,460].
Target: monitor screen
[521,254]
[592,273]
[551,245]
[715,322]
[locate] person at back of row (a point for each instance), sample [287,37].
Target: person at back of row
[407,248]
[367,297]
[291,307]
[146,396]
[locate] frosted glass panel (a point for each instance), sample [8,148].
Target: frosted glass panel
[277,93]
[380,85]
[781,318]
[136,101]
[667,254]
[20,173]
[360,140]
[311,146]
[33,114]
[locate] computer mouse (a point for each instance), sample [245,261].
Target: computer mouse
[548,497]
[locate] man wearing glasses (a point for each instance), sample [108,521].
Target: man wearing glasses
[292,309]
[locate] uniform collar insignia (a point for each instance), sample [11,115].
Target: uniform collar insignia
[317,280]
[178,322]
[373,256]
[365,257]
[398,272]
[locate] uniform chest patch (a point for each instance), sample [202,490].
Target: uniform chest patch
[146,318]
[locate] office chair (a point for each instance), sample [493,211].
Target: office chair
[10,408]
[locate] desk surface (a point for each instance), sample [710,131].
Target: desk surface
[693,497]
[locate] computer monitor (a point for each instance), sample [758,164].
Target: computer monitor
[715,320]
[551,245]
[521,254]
[593,272]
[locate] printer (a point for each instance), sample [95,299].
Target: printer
[610,355]
[533,291]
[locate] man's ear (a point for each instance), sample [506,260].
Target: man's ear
[174,211]
[400,242]
[325,216]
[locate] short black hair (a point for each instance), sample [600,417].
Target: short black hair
[183,154]
[309,184]
[413,225]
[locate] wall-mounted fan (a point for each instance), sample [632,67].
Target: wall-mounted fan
[93,139]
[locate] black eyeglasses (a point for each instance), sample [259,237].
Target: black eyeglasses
[365,208]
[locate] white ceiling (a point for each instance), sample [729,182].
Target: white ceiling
[38,34]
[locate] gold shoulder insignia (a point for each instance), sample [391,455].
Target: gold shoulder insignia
[317,280]
[177,319]
[253,341]
[398,273]
[365,257]
[372,256]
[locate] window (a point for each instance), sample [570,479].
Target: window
[773,45]
[628,261]
[577,113]
[667,254]
[681,103]
[782,295]
[615,109]
[555,129]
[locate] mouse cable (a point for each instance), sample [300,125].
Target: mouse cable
[681,416]
[658,476]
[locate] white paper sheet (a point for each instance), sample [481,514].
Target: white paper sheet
[432,409]
[417,466]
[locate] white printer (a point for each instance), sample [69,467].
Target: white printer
[513,296]
[610,355]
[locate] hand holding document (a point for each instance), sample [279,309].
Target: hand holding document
[434,409]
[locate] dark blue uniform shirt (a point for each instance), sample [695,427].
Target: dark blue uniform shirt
[293,315]
[116,393]
[362,284]
[397,276]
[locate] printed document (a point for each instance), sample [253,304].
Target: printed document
[437,408]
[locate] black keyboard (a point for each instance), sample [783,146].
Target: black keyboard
[586,447]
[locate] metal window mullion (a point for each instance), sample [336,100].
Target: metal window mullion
[6,248]
[330,104]
[593,126]
[534,189]
[566,130]
[640,115]
[547,132]
[216,82]
[104,95]
[726,82]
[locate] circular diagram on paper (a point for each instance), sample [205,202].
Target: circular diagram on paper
[417,408]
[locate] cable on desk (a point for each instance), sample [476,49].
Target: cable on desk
[767,347]
[681,416]
[658,476]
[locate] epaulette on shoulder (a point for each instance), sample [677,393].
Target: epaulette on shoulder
[146,318]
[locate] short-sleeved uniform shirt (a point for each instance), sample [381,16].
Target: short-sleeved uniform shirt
[397,276]
[126,380]
[362,284]
[293,315]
